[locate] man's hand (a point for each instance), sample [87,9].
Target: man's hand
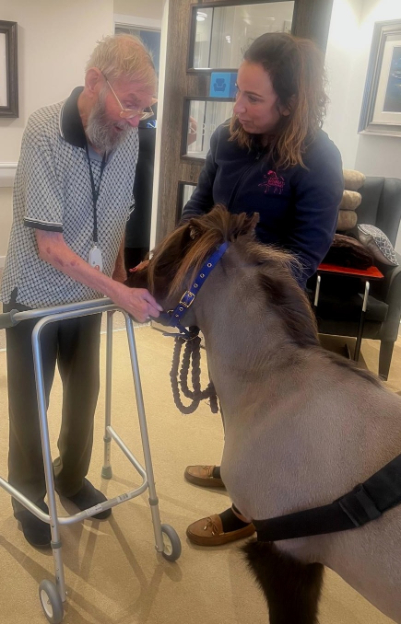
[138,302]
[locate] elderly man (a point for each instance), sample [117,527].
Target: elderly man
[72,198]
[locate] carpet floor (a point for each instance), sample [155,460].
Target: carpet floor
[113,573]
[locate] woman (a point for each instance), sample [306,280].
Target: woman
[274,159]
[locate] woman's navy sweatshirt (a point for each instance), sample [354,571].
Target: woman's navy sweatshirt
[298,206]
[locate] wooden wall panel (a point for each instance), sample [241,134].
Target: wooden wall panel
[312,20]
[178,85]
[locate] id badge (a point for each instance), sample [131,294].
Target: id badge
[95,258]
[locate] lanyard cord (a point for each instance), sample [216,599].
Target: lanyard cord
[95,192]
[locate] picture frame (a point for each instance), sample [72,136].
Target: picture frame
[8,69]
[381,107]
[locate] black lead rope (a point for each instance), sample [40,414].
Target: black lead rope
[191,352]
[192,347]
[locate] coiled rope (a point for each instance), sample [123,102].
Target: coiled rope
[179,380]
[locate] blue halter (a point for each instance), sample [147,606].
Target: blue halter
[175,316]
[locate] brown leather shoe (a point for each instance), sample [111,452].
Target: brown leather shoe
[203,476]
[209,532]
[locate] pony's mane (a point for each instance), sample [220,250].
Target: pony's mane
[184,251]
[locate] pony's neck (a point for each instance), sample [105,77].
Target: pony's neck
[245,340]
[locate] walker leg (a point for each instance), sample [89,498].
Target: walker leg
[106,470]
[153,500]
[47,462]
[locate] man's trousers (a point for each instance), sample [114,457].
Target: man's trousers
[74,345]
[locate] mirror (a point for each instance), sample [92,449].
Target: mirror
[201,118]
[221,34]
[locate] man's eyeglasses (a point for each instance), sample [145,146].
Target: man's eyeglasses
[129,113]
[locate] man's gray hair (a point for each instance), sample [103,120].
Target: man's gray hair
[124,56]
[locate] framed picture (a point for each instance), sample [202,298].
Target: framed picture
[381,108]
[8,70]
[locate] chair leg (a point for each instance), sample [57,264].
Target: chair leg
[386,352]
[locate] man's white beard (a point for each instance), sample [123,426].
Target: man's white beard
[101,130]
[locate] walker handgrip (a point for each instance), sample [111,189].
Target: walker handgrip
[7,319]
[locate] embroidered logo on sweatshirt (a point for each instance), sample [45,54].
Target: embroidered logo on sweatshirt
[272,183]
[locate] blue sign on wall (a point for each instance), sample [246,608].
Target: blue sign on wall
[222,84]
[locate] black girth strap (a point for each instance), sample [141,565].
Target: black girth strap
[367,501]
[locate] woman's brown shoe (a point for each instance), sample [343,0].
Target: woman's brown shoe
[209,532]
[203,476]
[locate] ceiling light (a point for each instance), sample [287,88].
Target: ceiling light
[200,16]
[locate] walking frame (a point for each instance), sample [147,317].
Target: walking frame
[52,595]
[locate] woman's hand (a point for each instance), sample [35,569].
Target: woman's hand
[139,267]
[192,130]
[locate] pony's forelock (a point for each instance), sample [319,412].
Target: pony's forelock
[186,248]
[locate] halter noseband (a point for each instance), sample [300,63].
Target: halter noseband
[175,316]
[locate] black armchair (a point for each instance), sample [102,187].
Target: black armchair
[340,301]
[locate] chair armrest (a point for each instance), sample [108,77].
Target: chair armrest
[392,296]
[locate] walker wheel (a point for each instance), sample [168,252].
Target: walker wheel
[51,602]
[172,543]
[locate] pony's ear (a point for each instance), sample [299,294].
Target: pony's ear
[194,229]
[255,220]
[245,224]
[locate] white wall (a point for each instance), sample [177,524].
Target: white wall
[148,9]
[345,85]
[55,39]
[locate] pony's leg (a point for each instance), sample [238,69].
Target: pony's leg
[291,588]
